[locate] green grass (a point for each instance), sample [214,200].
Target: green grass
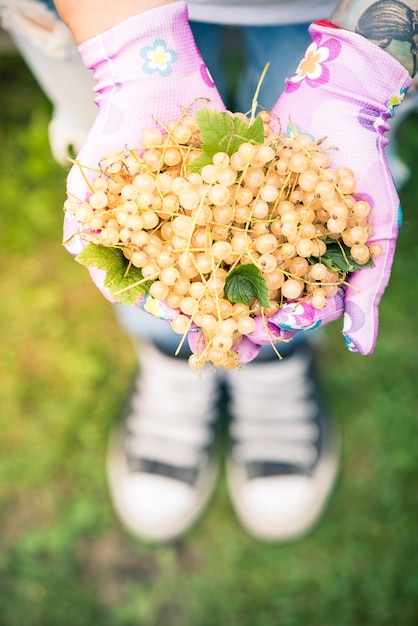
[64,369]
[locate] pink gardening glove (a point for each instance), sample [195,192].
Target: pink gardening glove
[344,89]
[147,67]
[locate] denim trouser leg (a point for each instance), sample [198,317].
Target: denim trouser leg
[282,47]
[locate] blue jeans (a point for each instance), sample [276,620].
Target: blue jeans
[49,4]
[250,48]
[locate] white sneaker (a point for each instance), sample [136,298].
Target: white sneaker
[161,468]
[284,451]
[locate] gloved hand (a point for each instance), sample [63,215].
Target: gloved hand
[281,327]
[146,68]
[345,89]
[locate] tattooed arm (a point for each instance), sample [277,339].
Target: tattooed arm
[391,24]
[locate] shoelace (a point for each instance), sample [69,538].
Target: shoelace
[170,425]
[276,427]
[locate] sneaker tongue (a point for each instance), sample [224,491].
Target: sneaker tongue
[276,423]
[269,410]
[166,450]
[268,432]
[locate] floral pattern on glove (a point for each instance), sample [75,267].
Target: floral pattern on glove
[370,117]
[374,118]
[395,100]
[353,321]
[158,58]
[313,67]
[157,308]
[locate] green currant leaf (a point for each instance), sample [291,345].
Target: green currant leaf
[337,259]
[95,255]
[125,283]
[214,127]
[331,265]
[254,133]
[205,158]
[219,132]
[246,282]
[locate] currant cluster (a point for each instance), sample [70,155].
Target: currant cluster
[277,205]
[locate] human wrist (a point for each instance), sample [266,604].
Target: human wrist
[390,25]
[93,17]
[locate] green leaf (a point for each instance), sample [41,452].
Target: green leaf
[243,133]
[125,283]
[199,162]
[337,259]
[214,127]
[219,132]
[98,256]
[246,282]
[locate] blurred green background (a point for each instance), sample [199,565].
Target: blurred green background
[64,370]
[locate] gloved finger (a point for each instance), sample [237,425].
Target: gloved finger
[361,315]
[247,350]
[267,332]
[301,315]
[367,286]
[195,340]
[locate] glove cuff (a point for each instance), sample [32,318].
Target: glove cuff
[169,20]
[352,65]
